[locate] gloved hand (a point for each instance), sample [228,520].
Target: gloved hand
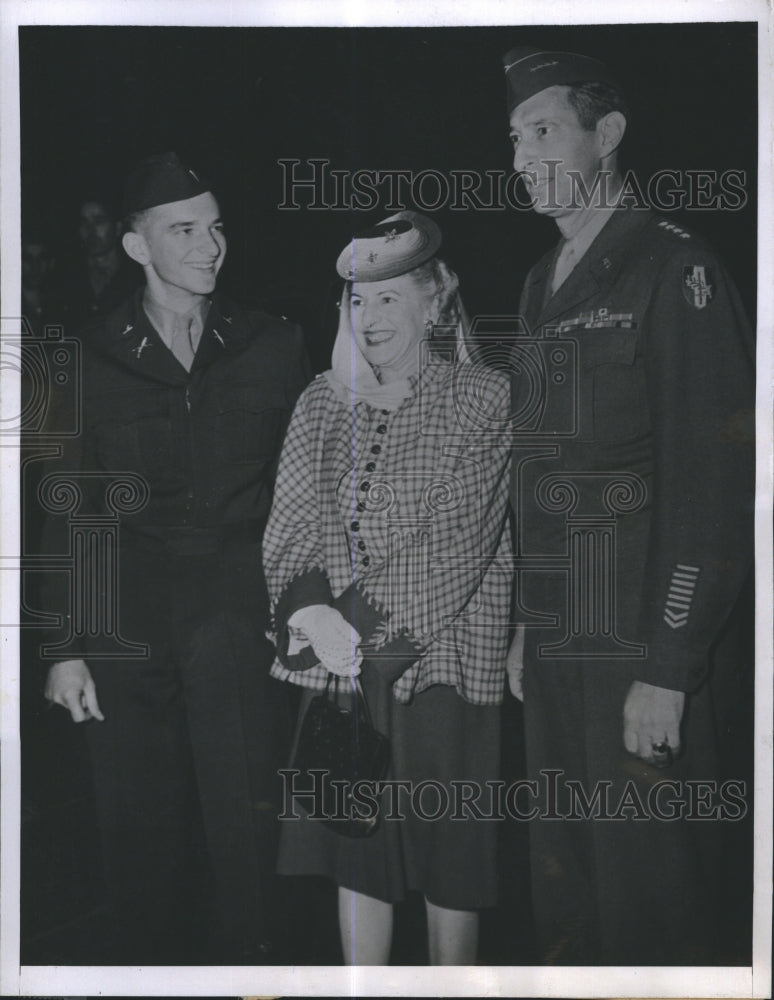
[331,637]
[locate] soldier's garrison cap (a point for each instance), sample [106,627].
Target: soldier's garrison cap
[159,180]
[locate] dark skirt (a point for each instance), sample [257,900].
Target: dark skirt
[438,846]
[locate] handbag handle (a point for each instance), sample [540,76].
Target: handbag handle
[357,691]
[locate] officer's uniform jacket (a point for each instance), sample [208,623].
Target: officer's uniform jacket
[663,389]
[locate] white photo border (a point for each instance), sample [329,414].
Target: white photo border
[754,981]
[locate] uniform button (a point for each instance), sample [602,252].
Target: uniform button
[376,449]
[371,466]
[365,487]
[381,429]
[355,525]
[361,546]
[366,560]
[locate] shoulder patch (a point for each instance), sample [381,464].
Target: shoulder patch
[698,285]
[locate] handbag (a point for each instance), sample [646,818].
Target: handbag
[341,759]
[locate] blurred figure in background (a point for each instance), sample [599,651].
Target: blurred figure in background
[100,276]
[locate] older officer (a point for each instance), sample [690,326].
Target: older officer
[192,393]
[638,670]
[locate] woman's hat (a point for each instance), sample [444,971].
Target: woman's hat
[392,247]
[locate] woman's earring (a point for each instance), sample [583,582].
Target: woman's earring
[429,327]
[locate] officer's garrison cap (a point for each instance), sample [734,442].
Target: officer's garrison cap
[530,70]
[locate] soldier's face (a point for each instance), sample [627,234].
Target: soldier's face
[388,321]
[553,153]
[185,243]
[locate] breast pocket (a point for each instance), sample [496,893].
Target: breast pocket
[136,434]
[248,429]
[615,385]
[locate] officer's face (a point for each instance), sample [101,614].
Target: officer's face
[97,229]
[388,322]
[553,153]
[185,243]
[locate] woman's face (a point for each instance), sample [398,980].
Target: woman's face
[388,322]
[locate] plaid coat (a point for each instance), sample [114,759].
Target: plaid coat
[399,520]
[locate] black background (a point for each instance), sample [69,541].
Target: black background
[236,100]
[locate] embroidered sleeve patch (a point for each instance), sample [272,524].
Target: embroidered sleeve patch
[680,596]
[698,287]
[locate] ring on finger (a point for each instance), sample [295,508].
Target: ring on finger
[662,754]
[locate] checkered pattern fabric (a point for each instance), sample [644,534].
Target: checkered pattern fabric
[411,506]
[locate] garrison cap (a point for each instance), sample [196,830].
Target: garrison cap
[160,179]
[391,247]
[530,70]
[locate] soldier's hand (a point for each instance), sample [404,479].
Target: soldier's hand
[651,722]
[71,685]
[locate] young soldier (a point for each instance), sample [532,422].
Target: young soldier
[192,393]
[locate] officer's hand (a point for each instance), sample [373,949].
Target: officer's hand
[652,718]
[515,663]
[71,685]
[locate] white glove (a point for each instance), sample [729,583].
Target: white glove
[331,637]
[515,663]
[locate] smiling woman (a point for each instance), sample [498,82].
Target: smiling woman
[354,594]
[388,320]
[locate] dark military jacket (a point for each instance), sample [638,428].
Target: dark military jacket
[648,342]
[204,443]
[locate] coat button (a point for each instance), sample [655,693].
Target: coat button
[361,546]
[365,487]
[355,526]
[371,466]
[381,429]
[365,560]
[376,449]
[360,505]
